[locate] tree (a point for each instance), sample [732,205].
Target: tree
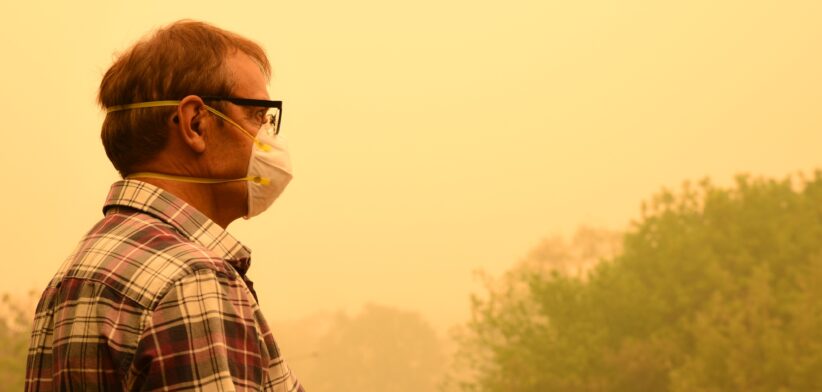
[16,316]
[715,289]
[380,349]
[507,323]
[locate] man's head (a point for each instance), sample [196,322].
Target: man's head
[183,59]
[186,110]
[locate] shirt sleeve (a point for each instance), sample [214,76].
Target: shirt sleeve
[202,335]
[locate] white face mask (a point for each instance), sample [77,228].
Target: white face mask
[269,167]
[269,160]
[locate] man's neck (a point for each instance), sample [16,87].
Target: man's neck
[222,203]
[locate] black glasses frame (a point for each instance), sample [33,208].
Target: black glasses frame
[252,102]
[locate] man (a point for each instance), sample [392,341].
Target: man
[156,296]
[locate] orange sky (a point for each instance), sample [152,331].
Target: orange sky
[430,138]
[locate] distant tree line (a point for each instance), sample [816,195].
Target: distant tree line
[381,348]
[713,289]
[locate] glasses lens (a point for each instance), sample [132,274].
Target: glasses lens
[271,122]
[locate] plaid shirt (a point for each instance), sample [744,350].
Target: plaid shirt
[154,298]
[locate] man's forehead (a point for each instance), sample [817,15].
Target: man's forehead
[249,79]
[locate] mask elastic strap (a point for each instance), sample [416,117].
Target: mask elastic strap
[198,180]
[139,105]
[152,104]
[259,144]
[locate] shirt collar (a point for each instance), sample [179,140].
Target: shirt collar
[182,216]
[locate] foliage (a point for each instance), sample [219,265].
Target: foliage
[715,289]
[380,349]
[15,328]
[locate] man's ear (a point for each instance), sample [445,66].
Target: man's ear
[188,121]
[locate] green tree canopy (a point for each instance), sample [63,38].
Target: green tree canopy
[715,289]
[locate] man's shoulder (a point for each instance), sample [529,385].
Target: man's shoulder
[139,256]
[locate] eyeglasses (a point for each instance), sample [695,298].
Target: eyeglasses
[269,120]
